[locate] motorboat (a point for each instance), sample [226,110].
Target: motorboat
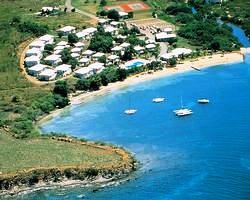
[130,111]
[158,100]
[183,112]
[203,101]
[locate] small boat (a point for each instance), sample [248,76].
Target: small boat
[203,101]
[130,111]
[158,100]
[183,112]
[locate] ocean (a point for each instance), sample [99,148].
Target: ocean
[202,156]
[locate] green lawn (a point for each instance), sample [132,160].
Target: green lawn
[19,155]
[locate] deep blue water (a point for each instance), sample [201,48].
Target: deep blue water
[205,156]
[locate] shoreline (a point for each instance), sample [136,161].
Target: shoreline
[187,65]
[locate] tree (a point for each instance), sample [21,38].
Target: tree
[103,3]
[122,74]
[130,15]
[95,82]
[61,101]
[101,42]
[82,84]
[61,88]
[49,47]
[66,56]
[103,13]
[128,54]
[172,61]
[113,14]
[72,38]
[73,62]
[103,59]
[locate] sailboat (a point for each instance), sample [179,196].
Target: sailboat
[158,99]
[130,111]
[183,111]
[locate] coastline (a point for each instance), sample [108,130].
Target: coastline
[199,63]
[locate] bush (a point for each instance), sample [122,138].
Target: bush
[72,38]
[113,14]
[34,28]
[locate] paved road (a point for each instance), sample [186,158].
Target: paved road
[68,5]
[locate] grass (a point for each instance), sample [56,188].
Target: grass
[23,154]
[19,155]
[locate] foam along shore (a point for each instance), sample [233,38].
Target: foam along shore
[187,65]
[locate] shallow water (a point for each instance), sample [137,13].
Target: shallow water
[203,156]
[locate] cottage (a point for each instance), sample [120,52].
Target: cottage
[125,45]
[88,53]
[123,15]
[97,55]
[139,49]
[122,37]
[103,21]
[116,49]
[37,44]
[63,70]
[84,72]
[96,67]
[53,59]
[150,47]
[150,41]
[115,24]
[113,58]
[57,52]
[31,61]
[86,33]
[84,61]
[79,44]
[164,37]
[168,30]
[166,56]
[33,52]
[47,9]
[59,48]
[111,29]
[67,30]
[76,50]
[181,51]
[37,69]
[75,55]
[47,75]
[47,39]
[62,43]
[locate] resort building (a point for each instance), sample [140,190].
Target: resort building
[59,48]
[37,44]
[150,47]
[116,49]
[47,75]
[63,70]
[79,44]
[84,61]
[62,43]
[76,50]
[88,53]
[103,21]
[96,67]
[168,30]
[53,59]
[115,24]
[33,52]
[97,55]
[166,56]
[139,49]
[84,72]
[47,9]
[164,37]
[67,30]
[36,69]
[125,45]
[181,51]
[114,59]
[123,15]
[47,39]
[75,55]
[111,29]
[31,61]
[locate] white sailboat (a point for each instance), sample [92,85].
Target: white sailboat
[130,111]
[183,111]
[158,99]
[203,101]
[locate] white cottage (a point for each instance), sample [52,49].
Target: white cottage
[97,55]
[117,49]
[88,53]
[63,70]
[67,30]
[33,52]
[47,39]
[84,61]
[37,44]
[31,61]
[150,47]
[36,69]
[96,67]
[79,44]
[47,75]
[53,59]
[84,72]
[139,49]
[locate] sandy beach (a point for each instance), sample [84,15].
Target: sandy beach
[199,63]
[184,66]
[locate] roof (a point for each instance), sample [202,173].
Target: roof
[88,52]
[38,43]
[110,29]
[32,59]
[63,67]
[38,67]
[52,57]
[113,57]
[168,29]
[47,9]
[114,23]
[46,38]
[75,55]
[83,70]
[138,48]
[59,48]
[150,41]
[179,51]
[67,29]
[102,21]
[117,48]
[96,66]
[161,35]
[84,60]
[122,14]
[167,56]
[79,44]
[150,46]
[125,44]
[33,50]
[62,43]
[98,55]
[76,50]
[56,52]
[48,72]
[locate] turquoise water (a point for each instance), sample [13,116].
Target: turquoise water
[135,64]
[240,35]
[205,156]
